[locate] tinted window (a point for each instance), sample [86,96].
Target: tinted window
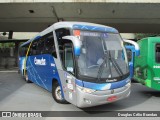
[59,34]
[23,50]
[34,48]
[43,45]
[68,58]
[50,45]
[40,46]
[157,53]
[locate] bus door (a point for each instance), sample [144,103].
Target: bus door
[68,63]
[155,74]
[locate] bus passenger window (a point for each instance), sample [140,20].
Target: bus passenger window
[49,45]
[34,48]
[59,34]
[25,49]
[22,51]
[40,46]
[157,53]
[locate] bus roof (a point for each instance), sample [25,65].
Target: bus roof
[75,25]
[85,26]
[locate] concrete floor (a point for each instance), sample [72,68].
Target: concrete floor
[17,95]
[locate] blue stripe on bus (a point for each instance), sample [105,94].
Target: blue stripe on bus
[79,82]
[103,86]
[121,83]
[95,28]
[77,50]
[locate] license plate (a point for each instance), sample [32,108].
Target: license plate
[112,98]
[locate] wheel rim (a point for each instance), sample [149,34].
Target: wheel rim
[58,93]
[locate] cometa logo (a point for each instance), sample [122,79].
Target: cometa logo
[111,80]
[39,61]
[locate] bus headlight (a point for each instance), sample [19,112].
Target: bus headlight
[86,90]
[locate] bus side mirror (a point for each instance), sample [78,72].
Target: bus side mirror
[136,46]
[76,43]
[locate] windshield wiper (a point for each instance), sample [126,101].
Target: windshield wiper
[110,60]
[116,66]
[101,68]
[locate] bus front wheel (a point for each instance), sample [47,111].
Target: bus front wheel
[57,93]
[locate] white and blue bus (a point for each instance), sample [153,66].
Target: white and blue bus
[81,63]
[132,50]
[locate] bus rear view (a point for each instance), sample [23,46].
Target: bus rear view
[90,66]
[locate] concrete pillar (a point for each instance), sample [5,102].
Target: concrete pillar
[16,53]
[10,34]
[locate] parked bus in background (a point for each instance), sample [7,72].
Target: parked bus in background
[132,51]
[82,63]
[147,65]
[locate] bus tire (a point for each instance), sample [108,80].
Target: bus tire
[56,93]
[26,78]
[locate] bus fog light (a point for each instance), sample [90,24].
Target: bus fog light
[87,101]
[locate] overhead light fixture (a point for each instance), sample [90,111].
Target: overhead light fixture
[31,11]
[4,33]
[113,11]
[79,11]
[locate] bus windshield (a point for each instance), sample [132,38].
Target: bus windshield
[102,55]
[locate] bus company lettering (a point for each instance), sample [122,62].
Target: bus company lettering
[155,66]
[39,61]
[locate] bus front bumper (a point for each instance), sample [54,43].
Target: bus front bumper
[101,97]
